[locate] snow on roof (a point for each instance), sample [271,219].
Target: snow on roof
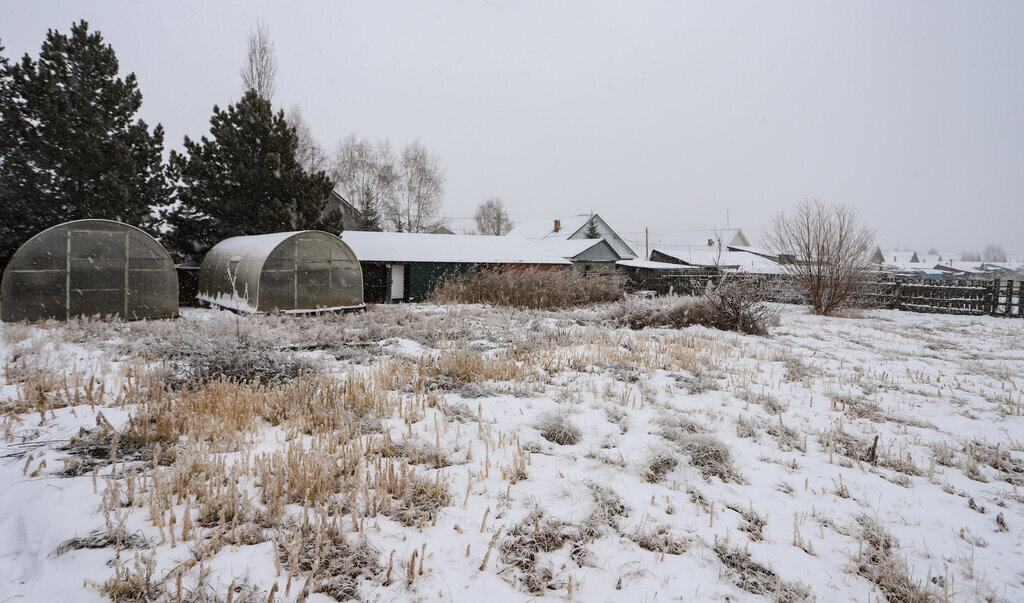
[570,248]
[650,265]
[418,247]
[748,249]
[254,245]
[710,257]
[699,238]
[545,229]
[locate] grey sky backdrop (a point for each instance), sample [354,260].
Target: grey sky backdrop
[652,114]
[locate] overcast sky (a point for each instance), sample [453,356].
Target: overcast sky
[659,115]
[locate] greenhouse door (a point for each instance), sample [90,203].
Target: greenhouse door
[397,282]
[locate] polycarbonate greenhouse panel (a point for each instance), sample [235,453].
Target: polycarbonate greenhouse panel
[302,271]
[87,268]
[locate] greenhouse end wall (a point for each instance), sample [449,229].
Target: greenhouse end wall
[87,268]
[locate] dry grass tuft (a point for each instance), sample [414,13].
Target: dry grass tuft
[405,495]
[558,429]
[117,537]
[659,465]
[659,540]
[879,563]
[758,579]
[538,534]
[331,562]
[245,363]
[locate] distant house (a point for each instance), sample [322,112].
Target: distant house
[573,228]
[703,239]
[726,249]
[402,266]
[350,216]
[586,255]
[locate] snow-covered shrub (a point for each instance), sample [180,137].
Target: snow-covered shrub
[736,304]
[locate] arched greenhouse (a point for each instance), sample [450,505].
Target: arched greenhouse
[89,267]
[305,271]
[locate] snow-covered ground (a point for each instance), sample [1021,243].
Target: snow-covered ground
[468,453]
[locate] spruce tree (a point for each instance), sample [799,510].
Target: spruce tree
[70,146]
[592,232]
[245,180]
[369,214]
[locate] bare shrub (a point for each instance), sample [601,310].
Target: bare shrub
[528,288]
[879,563]
[741,303]
[557,428]
[826,249]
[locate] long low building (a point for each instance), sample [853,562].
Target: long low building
[400,266]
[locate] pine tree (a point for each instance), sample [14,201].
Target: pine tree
[592,232]
[245,180]
[70,146]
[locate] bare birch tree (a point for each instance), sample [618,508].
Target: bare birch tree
[826,248]
[366,173]
[417,202]
[309,153]
[492,219]
[259,70]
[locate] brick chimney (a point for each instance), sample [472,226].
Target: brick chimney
[558,225]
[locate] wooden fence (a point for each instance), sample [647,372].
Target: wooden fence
[997,297]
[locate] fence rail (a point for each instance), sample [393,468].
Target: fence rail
[996,297]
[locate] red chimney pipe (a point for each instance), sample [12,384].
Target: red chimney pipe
[558,225]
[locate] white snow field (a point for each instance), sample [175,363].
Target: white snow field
[467,453]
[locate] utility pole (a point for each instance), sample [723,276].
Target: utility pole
[727,218]
[647,244]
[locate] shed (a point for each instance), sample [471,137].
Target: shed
[402,266]
[89,267]
[292,272]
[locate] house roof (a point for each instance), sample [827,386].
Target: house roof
[710,257]
[475,249]
[699,238]
[650,265]
[545,229]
